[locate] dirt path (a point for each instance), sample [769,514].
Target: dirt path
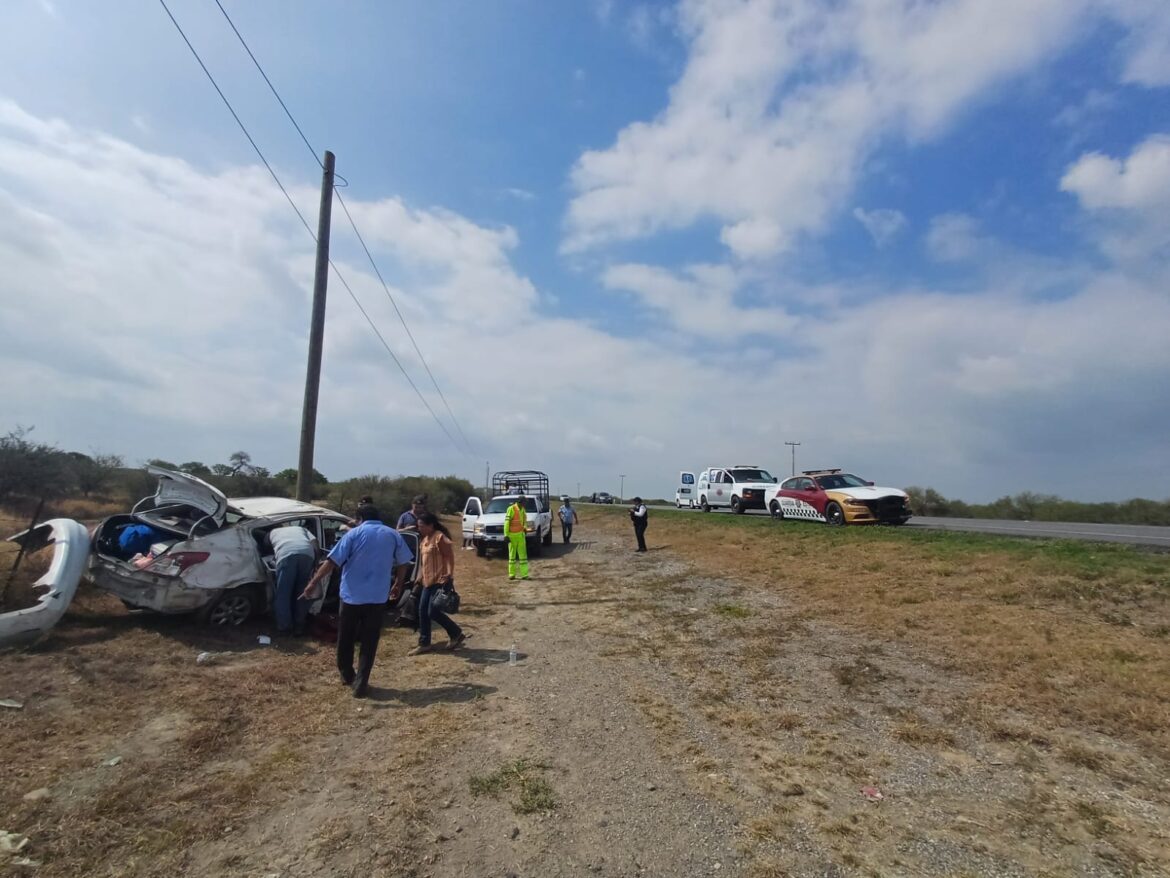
[658,722]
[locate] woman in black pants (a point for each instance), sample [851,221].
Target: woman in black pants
[437,554]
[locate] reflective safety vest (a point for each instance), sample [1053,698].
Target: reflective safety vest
[516,518]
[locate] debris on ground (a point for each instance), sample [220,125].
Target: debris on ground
[872,794]
[264,640]
[37,795]
[12,842]
[11,703]
[205,658]
[113,760]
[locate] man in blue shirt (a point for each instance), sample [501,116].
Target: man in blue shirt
[369,555]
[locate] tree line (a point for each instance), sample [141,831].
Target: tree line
[1028,506]
[31,471]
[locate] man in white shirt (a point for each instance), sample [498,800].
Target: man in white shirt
[295,550]
[640,517]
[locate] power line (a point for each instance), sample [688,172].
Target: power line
[305,222]
[352,223]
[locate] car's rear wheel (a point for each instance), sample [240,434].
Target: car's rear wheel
[705,505]
[777,510]
[548,536]
[834,515]
[737,505]
[232,608]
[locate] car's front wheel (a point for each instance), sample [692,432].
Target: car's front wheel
[737,505]
[535,547]
[232,608]
[704,504]
[777,510]
[834,515]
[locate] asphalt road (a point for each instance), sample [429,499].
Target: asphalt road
[1133,534]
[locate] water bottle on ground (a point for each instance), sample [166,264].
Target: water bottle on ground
[512,656]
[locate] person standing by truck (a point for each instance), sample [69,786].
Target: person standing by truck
[516,529]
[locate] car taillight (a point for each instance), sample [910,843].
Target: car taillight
[176,562]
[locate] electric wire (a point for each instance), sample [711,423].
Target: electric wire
[352,223]
[305,222]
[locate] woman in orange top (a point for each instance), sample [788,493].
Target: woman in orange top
[437,569]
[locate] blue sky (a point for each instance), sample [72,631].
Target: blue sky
[929,241]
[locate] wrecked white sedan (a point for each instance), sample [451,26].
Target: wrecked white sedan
[186,549]
[189,549]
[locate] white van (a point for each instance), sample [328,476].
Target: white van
[684,494]
[739,488]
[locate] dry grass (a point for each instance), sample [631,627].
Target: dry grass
[1072,631]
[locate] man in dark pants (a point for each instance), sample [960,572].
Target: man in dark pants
[369,555]
[640,517]
[294,549]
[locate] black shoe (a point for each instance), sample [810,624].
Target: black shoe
[361,689]
[347,679]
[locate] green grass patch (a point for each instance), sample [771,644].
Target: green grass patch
[1091,568]
[523,777]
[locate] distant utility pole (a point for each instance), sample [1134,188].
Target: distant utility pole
[793,444]
[578,489]
[487,478]
[622,489]
[316,336]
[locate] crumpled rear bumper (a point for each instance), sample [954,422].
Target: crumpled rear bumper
[70,542]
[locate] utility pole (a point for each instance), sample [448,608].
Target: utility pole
[793,444]
[316,336]
[578,489]
[487,479]
[622,490]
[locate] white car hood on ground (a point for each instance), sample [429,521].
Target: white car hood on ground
[70,542]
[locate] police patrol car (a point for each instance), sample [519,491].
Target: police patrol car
[837,499]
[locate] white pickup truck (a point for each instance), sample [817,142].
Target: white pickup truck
[484,525]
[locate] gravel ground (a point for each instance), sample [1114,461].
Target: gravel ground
[673,724]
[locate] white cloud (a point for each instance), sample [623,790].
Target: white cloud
[781,103]
[955,237]
[520,194]
[698,301]
[1128,200]
[883,224]
[1139,182]
[1092,106]
[154,308]
[1147,57]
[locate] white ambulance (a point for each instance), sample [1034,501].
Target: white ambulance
[738,488]
[684,494]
